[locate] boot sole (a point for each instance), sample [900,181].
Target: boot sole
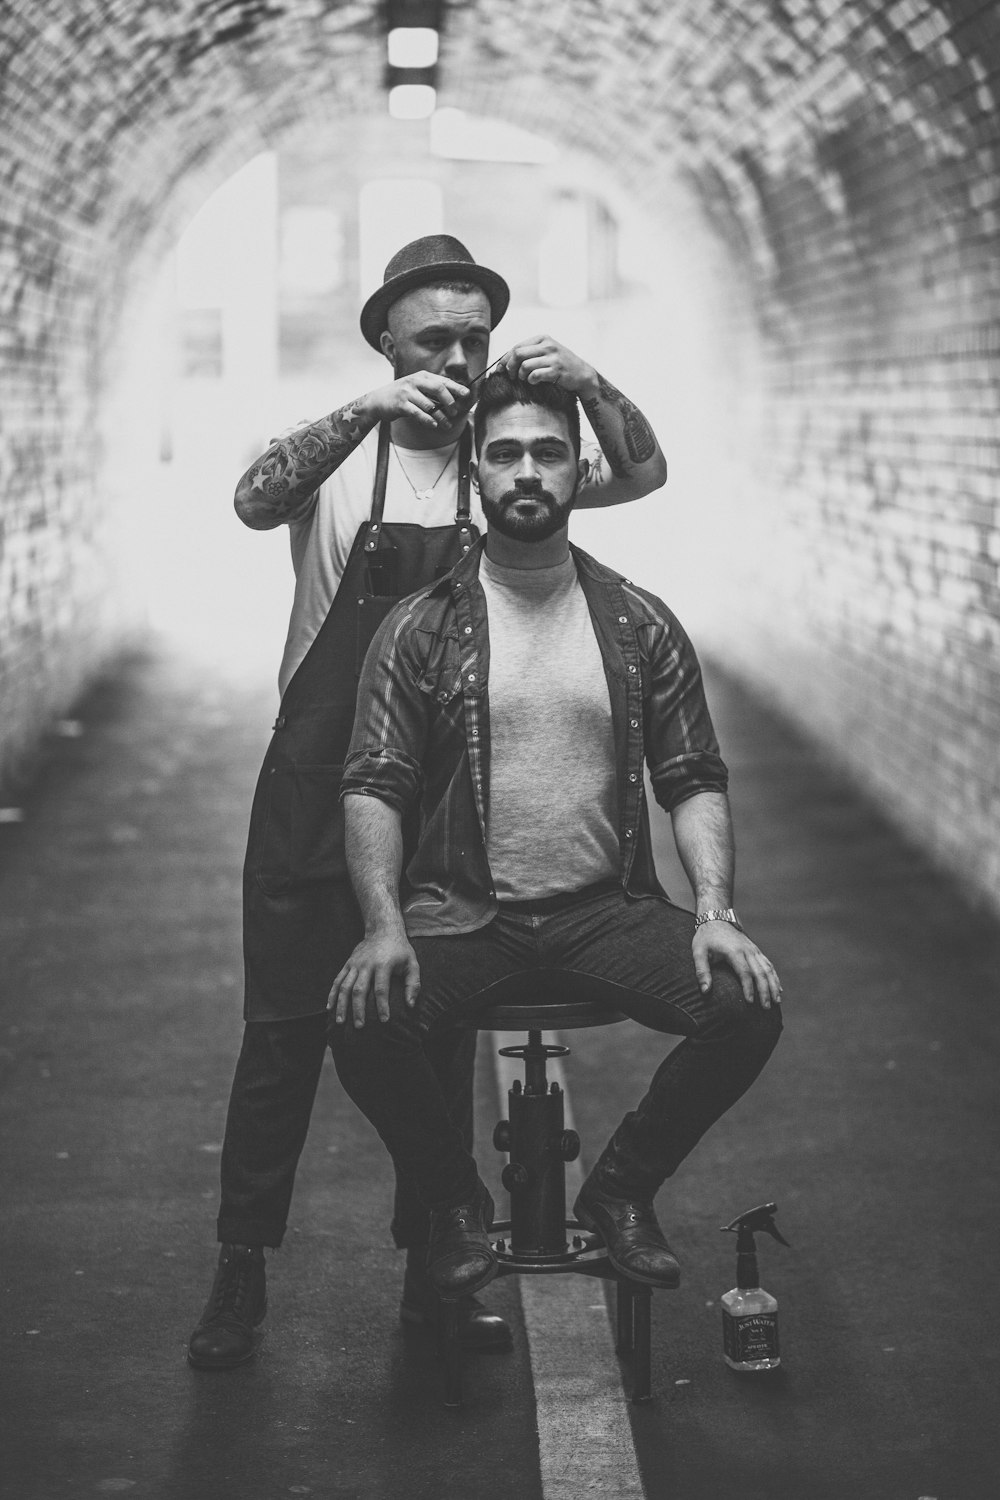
[229,1364]
[410,1318]
[470,1289]
[232,1364]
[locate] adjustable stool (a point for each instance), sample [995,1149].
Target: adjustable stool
[538,1239]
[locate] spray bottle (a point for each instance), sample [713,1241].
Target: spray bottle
[749,1314]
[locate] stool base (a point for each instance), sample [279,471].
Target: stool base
[585,1256]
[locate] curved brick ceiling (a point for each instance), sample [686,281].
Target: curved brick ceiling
[812,115]
[846,152]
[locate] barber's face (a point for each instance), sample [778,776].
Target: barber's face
[527,472]
[445,332]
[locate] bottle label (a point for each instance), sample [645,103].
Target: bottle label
[750,1338]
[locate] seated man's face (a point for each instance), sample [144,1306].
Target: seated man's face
[527,472]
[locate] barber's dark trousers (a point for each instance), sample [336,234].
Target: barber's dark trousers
[641,949]
[269,1108]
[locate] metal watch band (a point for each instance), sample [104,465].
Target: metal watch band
[719,914]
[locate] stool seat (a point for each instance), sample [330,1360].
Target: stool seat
[547,1000]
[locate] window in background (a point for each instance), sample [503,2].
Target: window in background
[199,336]
[311,257]
[578,252]
[563,254]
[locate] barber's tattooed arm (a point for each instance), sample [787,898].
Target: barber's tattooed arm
[280,485]
[631,463]
[625,436]
[628,445]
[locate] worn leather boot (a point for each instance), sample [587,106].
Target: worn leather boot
[224,1337]
[480,1330]
[460,1259]
[635,1242]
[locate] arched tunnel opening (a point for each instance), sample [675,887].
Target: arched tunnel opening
[820,181]
[250,327]
[773,223]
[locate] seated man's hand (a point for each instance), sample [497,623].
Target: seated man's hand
[376,961]
[542,358]
[721,942]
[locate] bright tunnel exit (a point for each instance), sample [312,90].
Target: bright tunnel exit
[251,328]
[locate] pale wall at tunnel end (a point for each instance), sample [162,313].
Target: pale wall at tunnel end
[844,154]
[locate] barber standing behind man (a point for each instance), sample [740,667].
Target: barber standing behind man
[377,500]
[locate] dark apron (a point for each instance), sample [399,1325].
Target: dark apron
[300,918]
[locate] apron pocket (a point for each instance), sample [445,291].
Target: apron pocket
[303,836]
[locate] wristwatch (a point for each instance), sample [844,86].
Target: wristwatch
[719,914]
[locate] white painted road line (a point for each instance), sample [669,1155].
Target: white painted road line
[584,1434]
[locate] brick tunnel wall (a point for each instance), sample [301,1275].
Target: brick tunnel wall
[844,160]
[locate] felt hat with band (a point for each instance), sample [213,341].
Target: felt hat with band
[426,262]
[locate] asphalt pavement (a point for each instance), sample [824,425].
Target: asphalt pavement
[873,1128]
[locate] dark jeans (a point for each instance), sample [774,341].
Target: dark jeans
[641,950]
[269,1108]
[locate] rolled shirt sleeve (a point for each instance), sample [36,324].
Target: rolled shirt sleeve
[385,756]
[682,751]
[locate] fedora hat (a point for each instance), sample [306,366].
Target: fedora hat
[425,262]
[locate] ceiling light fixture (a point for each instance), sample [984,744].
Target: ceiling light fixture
[412,101]
[412,46]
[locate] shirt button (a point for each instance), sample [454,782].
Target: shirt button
[472,676]
[632,776]
[632,669]
[634,723]
[623,619]
[628,833]
[468,629]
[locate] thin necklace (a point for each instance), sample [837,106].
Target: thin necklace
[427,493]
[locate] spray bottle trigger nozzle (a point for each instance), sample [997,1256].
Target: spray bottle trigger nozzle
[756,1221]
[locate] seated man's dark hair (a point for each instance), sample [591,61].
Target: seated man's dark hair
[500,391]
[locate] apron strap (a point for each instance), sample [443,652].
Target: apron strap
[462,512]
[378,488]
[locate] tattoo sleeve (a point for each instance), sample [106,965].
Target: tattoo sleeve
[625,436]
[281,484]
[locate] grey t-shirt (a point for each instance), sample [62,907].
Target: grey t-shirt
[553,803]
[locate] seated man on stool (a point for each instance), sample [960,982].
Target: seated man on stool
[510,707]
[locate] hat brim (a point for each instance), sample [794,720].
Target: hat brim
[375,311]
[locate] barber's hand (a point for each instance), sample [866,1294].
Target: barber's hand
[721,942]
[371,968]
[432,400]
[543,359]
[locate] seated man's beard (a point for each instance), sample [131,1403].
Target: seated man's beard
[543,523]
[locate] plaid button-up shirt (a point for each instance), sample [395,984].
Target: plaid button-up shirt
[421,740]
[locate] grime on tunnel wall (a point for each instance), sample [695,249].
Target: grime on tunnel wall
[837,167]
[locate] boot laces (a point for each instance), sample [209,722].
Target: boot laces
[232,1286]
